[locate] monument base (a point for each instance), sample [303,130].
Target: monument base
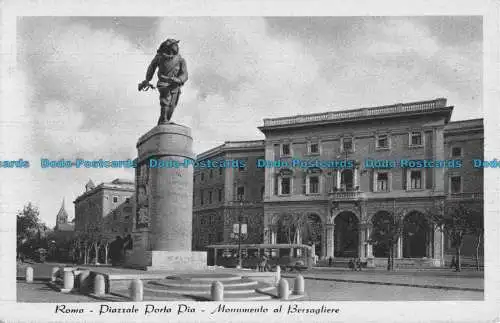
[166,260]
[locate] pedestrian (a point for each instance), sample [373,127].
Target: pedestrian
[453,263]
[351,264]
[330,261]
[358,264]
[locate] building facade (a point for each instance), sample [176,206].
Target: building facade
[338,206]
[226,195]
[110,205]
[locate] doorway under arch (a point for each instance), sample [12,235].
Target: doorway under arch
[312,232]
[382,223]
[346,235]
[416,235]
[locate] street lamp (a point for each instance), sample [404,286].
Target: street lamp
[240,231]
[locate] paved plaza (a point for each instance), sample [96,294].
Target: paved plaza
[321,285]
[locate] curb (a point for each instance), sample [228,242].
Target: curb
[390,284]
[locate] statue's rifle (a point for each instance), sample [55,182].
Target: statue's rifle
[145,86]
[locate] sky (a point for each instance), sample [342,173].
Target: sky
[77,82]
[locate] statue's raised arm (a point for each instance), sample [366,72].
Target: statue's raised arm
[172,74]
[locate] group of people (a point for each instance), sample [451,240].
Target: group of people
[117,249]
[355,264]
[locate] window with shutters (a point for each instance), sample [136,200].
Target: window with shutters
[285,185]
[313,184]
[382,182]
[416,139]
[285,150]
[416,179]
[456,184]
[240,193]
[382,142]
[347,145]
[456,152]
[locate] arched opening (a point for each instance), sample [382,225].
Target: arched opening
[312,232]
[416,236]
[381,231]
[347,180]
[346,235]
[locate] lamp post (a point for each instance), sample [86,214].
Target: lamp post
[239,233]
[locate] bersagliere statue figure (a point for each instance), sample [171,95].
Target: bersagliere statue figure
[172,74]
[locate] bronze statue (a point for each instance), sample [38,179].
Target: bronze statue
[172,74]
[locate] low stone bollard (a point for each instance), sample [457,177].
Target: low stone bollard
[278,274]
[83,280]
[68,280]
[283,289]
[29,274]
[299,285]
[136,290]
[217,291]
[99,285]
[54,274]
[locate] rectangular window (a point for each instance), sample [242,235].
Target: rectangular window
[262,192]
[115,199]
[220,171]
[202,177]
[383,141]
[347,144]
[285,185]
[220,236]
[210,197]
[416,138]
[285,150]
[314,148]
[240,193]
[456,152]
[416,179]
[313,184]
[456,184]
[382,182]
[211,173]
[201,197]
[220,194]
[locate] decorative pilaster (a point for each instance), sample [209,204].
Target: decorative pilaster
[330,230]
[399,248]
[356,177]
[338,180]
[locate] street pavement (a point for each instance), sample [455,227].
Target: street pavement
[445,278]
[321,285]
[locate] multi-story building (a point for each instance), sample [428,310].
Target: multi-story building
[338,204]
[229,193]
[108,204]
[341,205]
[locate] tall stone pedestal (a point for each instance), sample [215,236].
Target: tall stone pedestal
[164,201]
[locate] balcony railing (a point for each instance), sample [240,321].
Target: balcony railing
[465,196]
[346,195]
[414,107]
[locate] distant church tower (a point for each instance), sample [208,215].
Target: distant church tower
[62,216]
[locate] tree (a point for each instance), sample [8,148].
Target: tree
[94,238]
[457,219]
[29,228]
[388,231]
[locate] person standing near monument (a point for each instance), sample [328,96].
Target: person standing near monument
[172,74]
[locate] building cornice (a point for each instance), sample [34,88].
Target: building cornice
[106,186]
[462,126]
[388,111]
[232,146]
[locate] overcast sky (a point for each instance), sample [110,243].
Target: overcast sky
[79,82]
